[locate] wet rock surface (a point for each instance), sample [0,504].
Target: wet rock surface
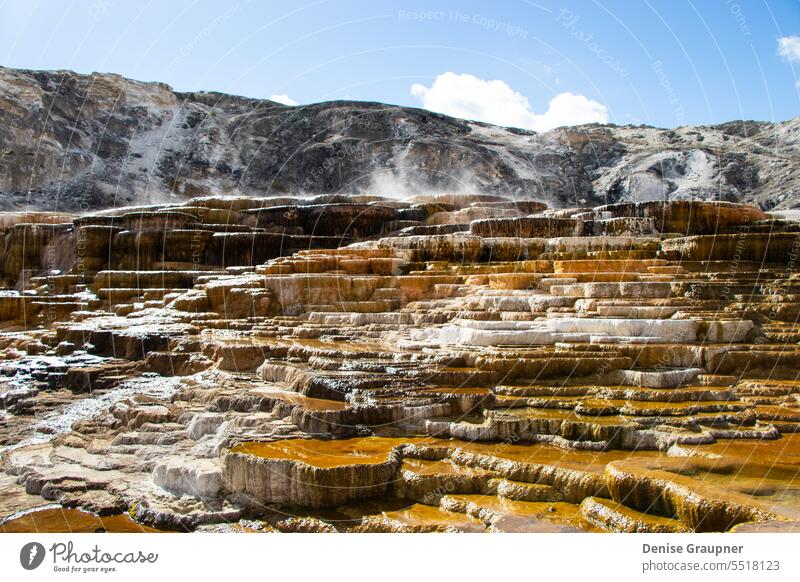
[631,367]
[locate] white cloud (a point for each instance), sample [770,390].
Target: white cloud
[283,98]
[495,102]
[789,47]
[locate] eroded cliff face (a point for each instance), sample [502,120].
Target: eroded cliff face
[76,143]
[441,363]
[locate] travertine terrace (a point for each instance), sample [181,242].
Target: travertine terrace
[438,363]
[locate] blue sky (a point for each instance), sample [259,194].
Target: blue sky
[659,62]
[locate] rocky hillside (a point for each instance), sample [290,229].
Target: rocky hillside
[83,142]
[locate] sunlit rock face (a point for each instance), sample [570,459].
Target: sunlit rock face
[438,363]
[77,143]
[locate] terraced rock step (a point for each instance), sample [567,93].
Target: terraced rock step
[445,363]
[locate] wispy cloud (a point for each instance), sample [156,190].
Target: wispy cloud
[789,48]
[283,98]
[467,96]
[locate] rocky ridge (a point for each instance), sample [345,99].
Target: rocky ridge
[438,363]
[76,143]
